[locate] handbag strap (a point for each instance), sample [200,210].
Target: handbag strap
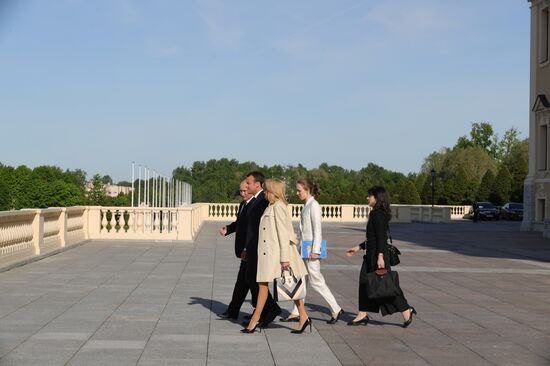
[290,271]
[389,236]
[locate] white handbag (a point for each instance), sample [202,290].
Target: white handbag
[288,287]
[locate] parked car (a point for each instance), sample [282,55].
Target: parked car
[486,211]
[512,211]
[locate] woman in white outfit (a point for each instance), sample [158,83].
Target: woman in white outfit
[310,228]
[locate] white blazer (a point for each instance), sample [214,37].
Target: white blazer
[310,224]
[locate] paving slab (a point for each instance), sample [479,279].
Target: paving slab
[482,292]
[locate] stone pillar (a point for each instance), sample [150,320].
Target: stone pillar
[347,213]
[38,231]
[85,223]
[528,205]
[63,227]
[185,223]
[93,222]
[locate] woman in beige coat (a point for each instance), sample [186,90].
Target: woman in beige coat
[277,251]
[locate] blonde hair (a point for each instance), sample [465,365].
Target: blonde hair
[276,190]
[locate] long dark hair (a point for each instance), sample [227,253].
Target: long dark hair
[382,200]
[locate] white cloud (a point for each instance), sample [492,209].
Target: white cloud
[220,30]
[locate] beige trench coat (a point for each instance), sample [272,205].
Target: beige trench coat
[277,243]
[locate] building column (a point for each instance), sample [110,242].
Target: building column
[528,222]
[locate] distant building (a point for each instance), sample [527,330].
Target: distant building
[537,184]
[112,190]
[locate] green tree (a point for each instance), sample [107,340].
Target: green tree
[509,142]
[61,194]
[5,197]
[96,195]
[486,186]
[463,142]
[439,192]
[107,180]
[406,193]
[122,200]
[77,177]
[457,188]
[502,187]
[482,135]
[517,162]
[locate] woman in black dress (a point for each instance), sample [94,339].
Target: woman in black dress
[377,257]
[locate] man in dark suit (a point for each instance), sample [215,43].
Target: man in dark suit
[239,228]
[255,181]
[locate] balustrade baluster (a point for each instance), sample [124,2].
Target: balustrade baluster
[131,220]
[104,220]
[139,220]
[157,221]
[163,221]
[147,215]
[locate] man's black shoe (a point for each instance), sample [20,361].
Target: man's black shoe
[270,317]
[248,317]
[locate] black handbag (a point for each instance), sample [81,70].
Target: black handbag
[380,283]
[393,252]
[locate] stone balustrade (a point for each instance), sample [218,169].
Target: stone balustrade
[460,212]
[31,233]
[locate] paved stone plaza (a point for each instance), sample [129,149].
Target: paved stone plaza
[482,292]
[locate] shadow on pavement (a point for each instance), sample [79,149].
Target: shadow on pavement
[496,239]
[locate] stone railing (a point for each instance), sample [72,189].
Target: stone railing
[460,212]
[352,213]
[133,223]
[30,233]
[436,214]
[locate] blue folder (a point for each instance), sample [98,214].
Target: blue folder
[307,246]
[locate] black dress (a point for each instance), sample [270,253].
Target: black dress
[377,237]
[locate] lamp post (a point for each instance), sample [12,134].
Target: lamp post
[433,186]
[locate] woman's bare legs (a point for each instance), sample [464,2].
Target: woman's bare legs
[262,298]
[300,304]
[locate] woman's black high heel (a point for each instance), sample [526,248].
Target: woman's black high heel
[333,320]
[250,331]
[300,331]
[410,320]
[363,321]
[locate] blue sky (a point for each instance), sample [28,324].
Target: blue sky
[97,84]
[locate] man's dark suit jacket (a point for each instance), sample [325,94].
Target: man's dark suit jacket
[254,215]
[239,228]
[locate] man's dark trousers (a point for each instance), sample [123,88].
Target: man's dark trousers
[239,293]
[239,227]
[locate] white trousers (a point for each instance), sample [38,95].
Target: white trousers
[317,282]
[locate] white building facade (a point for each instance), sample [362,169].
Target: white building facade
[537,184]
